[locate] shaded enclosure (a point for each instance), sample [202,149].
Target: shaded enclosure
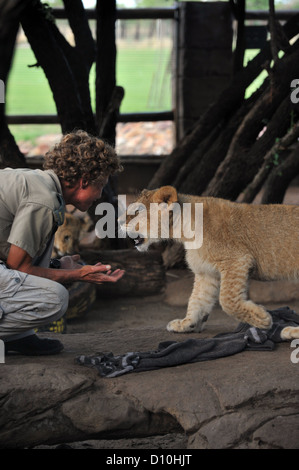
[238,145]
[66,67]
[229,146]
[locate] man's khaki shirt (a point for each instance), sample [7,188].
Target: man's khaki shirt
[31,205]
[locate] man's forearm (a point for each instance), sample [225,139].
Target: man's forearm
[59,275]
[21,261]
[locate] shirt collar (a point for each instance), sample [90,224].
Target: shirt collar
[56,180]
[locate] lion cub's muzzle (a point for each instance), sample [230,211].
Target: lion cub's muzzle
[138,240]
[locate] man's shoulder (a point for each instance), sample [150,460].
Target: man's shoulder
[28,175]
[33,186]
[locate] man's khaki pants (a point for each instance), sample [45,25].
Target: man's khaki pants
[28,302]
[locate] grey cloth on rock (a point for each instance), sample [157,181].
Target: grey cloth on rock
[172,353]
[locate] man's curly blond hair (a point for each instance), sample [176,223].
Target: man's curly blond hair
[81,155]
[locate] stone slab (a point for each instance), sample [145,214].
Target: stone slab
[249,400]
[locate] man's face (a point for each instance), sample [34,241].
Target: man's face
[84,196]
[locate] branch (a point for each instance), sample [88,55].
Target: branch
[10,11]
[209,155]
[228,102]
[79,58]
[280,178]
[106,63]
[57,58]
[247,150]
[85,44]
[279,147]
[272,27]
[239,7]
[279,40]
[10,154]
[111,111]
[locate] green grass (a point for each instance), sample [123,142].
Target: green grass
[143,73]
[29,132]
[27,90]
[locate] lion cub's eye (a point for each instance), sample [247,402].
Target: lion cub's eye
[66,238]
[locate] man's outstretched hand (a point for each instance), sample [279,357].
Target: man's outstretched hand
[96,274]
[100,273]
[72,268]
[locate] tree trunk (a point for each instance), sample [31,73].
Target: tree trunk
[199,171]
[57,58]
[238,8]
[280,178]
[229,101]
[81,57]
[247,150]
[106,64]
[277,151]
[10,155]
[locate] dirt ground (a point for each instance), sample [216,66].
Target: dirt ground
[136,312]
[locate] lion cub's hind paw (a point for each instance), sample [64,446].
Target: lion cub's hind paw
[184,326]
[290,332]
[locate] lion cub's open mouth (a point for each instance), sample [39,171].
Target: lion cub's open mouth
[138,240]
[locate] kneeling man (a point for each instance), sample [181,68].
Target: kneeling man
[32,204]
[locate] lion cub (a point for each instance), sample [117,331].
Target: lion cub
[66,241]
[239,241]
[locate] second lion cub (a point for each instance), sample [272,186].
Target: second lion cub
[240,241]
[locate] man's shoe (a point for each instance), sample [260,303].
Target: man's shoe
[34,346]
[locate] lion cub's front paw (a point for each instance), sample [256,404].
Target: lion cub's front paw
[263,321]
[184,326]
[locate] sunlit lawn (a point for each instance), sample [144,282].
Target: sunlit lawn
[144,73]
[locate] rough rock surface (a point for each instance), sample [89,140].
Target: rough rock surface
[249,400]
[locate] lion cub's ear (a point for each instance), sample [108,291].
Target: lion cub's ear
[166,194]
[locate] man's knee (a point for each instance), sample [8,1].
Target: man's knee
[38,302]
[62,300]
[54,304]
